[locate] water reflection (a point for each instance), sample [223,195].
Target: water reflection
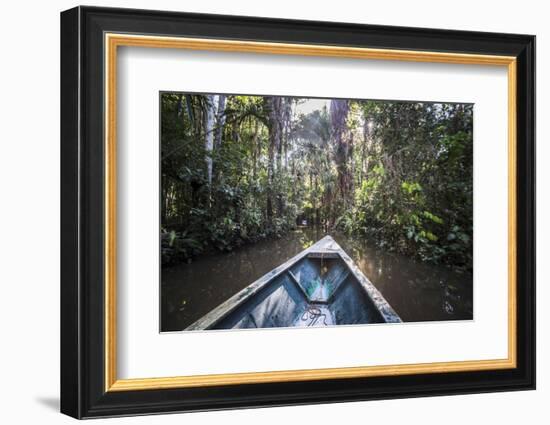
[417,291]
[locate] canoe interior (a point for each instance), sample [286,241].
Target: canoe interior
[318,290]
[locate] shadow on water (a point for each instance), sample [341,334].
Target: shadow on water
[417,291]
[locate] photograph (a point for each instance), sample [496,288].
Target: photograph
[299,208]
[297,211]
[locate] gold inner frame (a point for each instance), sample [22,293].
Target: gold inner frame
[113,41]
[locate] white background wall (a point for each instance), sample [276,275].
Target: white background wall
[29,214]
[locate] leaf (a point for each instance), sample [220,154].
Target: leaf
[432,217]
[431,236]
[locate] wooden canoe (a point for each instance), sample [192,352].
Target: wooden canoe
[321,286]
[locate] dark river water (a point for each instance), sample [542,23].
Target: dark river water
[416,291]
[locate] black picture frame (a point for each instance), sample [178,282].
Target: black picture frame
[83,392]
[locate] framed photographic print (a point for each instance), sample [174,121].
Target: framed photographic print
[262,212]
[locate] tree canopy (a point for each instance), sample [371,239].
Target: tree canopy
[236,169]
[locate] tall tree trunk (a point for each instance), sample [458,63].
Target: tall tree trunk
[366,142]
[255,150]
[287,120]
[274,120]
[220,121]
[210,101]
[315,192]
[278,127]
[189,104]
[338,114]
[179,105]
[313,203]
[350,161]
[281,123]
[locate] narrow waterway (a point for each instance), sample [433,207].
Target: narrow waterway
[417,291]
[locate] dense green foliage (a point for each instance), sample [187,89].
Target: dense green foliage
[236,169]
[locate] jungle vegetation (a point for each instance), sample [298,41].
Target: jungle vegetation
[237,169]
